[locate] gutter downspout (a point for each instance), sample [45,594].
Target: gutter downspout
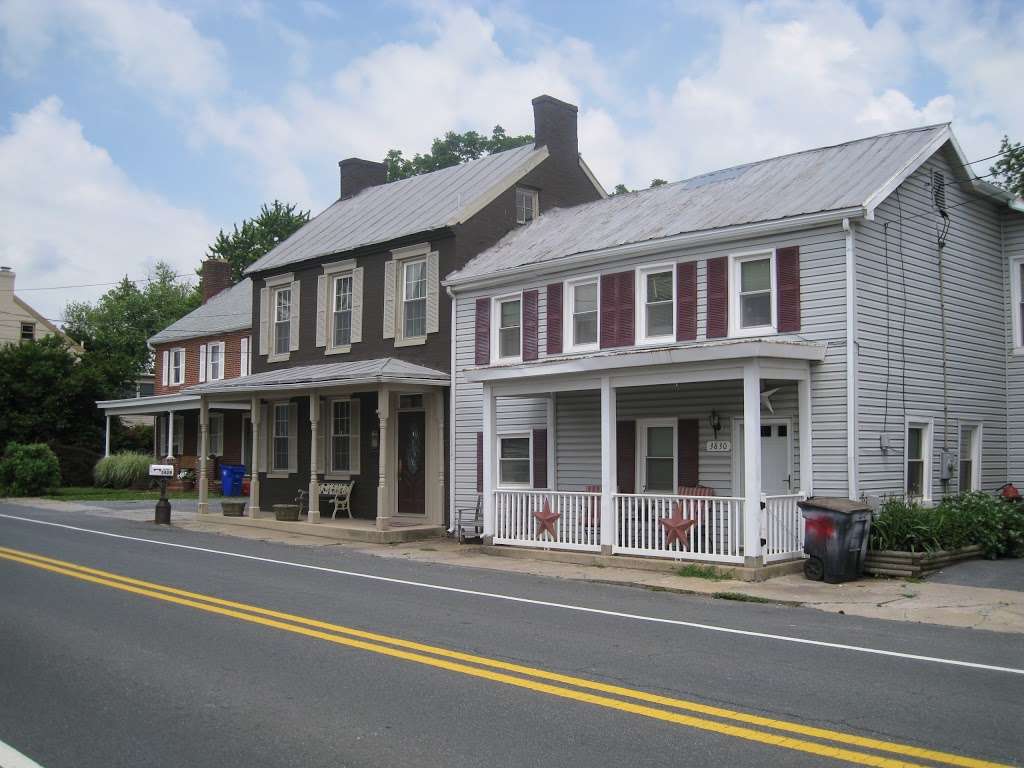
[852,354]
[452,336]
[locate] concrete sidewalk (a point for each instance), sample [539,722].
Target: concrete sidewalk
[928,602]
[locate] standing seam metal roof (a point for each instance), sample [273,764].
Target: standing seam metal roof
[229,310]
[813,181]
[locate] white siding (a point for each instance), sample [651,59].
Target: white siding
[1013,246]
[975,329]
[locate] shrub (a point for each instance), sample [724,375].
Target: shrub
[904,526]
[28,469]
[121,470]
[76,463]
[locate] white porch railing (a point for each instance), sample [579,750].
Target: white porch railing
[783,527]
[578,525]
[715,534]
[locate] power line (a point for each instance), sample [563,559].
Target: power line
[98,285]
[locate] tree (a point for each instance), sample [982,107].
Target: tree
[1008,170]
[622,189]
[246,243]
[657,183]
[452,149]
[115,330]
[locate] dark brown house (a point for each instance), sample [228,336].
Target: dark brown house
[351,342]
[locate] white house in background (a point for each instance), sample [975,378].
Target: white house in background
[19,321]
[699,356]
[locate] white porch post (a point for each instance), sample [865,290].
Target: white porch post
[106,447]
[803,387]
[314,457]
[752,464]
[170,435]
[203,505]
[489,430]
[609,482]
[255,415]
[384,510]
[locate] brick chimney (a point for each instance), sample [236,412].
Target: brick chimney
[216,277]
[554,125]
[357,174]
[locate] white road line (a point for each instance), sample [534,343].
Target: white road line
[12,758]
[544,603]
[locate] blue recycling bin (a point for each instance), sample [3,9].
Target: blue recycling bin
[231,479]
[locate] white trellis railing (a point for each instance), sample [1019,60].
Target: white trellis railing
[783,527]
[576,527]
[715,534]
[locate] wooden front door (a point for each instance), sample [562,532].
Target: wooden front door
[411,459]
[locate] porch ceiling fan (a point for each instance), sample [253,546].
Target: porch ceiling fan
[766,399]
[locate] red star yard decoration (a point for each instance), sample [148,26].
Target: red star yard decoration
[676,527]
[547,520]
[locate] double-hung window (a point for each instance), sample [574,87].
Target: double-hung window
[1017,304]
[514,460]
[280,448]
[414,298]
[216,445]
[753,294]
[509,328]
[177,369]
[658,448]
[341,435]
[282,320]
[215,361]
[581,323]
[970,457]
[918,448]
[657,303]
[527,205]
[341,327]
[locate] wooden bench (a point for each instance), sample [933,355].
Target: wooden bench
[340,494]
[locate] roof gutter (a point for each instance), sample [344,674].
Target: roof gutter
[648,247]
[852,355]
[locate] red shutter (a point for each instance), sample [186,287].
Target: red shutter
[686,301]
[617,310]
[479,462]
[540,458]
[787,279]
[483,331]
[627,317]
[554,312]
[625,456]
[530,324]
[718,298]
[688,436]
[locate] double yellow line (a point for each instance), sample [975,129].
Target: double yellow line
[777,733]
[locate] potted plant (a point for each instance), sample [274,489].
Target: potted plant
[187,478]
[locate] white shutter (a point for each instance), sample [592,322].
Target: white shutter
[357,305]
[243,357]
[321,310]
[354,440]
[202,363]
[264,446]
[165,373]
[433,284]
[264,320]
[293,318]
[389,299]
[293,438]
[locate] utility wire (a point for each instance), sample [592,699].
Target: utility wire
[98,285]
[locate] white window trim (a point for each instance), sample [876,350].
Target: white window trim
[496,303]
[568,325]
[172,379]
[331,273]
[1016,264]
[219,451]
[355,465]
[273,355]
[640,284]
[976,452]
[209,360]
[401,257]
[735,260]
[402,266]
[273,471]
[641,453]
[535,199]
[497,458]
[927,424]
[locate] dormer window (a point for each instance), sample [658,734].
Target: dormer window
[527,205]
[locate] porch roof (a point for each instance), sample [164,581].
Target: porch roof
[155,404]
[385,370]
[619,359]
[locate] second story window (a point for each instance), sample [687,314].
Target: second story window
[657,303]
[583,298]
[342,313]
[177,366]
[753,293]
[215,364]
[282,320]
[1017,304]
[509,328]
[414,298]
[527,205]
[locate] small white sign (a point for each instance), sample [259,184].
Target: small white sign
[718,446]
[161,470]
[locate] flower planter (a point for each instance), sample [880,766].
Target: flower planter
[915,564]
[233,508]
[286,512]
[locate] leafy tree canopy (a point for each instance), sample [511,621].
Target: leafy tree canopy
[246,243]
[622,189]
[1009,168]
[452,149]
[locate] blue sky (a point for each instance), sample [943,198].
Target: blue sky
[132,130]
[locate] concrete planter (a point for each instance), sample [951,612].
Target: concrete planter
[915,564]
[286,512]
[233,508]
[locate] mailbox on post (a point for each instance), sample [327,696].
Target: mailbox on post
[163,506]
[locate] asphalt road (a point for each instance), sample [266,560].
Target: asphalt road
[98,671]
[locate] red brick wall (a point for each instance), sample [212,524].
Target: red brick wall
[232,351]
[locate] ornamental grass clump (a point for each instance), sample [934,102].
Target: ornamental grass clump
[121,470]
[28,469]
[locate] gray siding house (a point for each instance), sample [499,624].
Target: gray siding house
[668,372]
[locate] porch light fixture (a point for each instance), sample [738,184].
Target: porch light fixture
[716,422]
[375,438]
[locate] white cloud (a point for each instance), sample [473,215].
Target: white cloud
[72,216]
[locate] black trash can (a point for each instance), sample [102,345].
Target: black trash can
[835,538]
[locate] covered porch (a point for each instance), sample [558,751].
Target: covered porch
[690,453]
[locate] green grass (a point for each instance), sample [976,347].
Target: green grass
[740,597]
[694,571]
[89,493]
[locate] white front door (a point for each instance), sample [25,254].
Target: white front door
[776,457]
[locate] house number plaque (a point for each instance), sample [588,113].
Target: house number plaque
[718,446]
